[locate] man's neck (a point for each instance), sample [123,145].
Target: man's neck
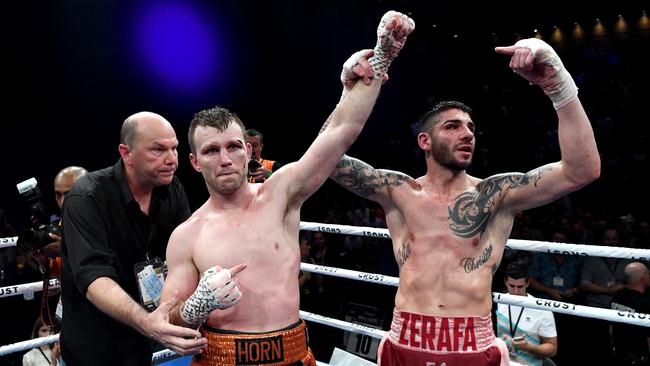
[141,193]
[640,287]
[444,183]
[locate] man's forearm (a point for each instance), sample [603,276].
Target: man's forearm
[111,299]
[176,318]
[577,144]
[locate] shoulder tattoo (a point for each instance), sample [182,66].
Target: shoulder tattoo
[471,210]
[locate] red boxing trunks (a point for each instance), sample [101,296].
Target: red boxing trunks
[425,340]
[287,347]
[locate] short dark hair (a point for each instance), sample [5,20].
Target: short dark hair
[517,270]
[217,117]
[253,132]
[428,120]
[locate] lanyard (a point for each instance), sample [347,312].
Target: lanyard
[43,353]
[513,331]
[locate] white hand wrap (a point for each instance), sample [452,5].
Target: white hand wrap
[215,291]
[558,83]
[388,47]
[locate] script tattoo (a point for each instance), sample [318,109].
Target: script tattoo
[471,210]
[403,253]
[471,264]
[363,179]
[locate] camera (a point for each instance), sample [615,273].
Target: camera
[37,236]
[253,165]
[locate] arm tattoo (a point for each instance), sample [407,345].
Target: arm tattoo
[471,264]
[363,179]
[403,254]
[471,210]
[327,123]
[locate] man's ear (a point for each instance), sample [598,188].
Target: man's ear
[424,141]
[249,150]
[195,163]
[125,153]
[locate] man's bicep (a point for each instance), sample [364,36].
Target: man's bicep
[182,274]
[537,187]
[86,243]
[366,181]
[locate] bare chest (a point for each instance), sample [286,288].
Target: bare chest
[261,241]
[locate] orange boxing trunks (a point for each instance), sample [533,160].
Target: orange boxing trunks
[287,347]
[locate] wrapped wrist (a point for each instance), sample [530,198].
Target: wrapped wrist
[193,315]
[563,91]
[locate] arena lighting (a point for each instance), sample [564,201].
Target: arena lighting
[621,25]
[557,35]
[599,29]
[644,21]
[578,32]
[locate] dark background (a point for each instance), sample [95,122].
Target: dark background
[71,76]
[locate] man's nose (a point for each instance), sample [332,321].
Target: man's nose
[171,157]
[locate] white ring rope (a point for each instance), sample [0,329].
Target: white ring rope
[8,242]
[528,302]
[336,323]
[518,244]
[29,344]
[27,287]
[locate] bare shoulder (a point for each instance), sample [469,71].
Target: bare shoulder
[184,235]
[498,182]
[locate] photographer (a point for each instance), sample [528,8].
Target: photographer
[259,170]
[62,184]
[42,241]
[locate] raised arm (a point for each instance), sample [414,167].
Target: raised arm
[538,63]
[346,121]
[364,180]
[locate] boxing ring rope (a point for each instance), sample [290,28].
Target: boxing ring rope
[640,319]
[517,244]
[14,290]
[8,242]
[29,344]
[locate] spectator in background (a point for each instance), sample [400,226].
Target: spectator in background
[600,279]
[63,182]
[631,342]
[44,355]
[555,276]
[530,337]
[258,173]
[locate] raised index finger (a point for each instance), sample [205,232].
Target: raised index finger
[236,269]
[510,50]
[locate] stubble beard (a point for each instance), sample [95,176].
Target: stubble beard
[444,157]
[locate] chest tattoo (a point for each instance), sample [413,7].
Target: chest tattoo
[471,264]
[471,211]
